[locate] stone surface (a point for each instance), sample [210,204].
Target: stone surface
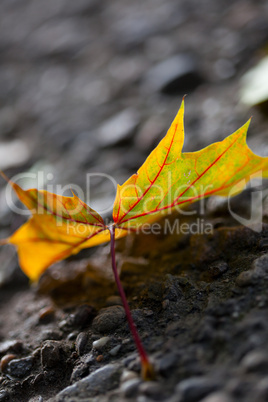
[103,379]
[20,368]
[176,75]
[109,319]
[118,128]
[193,389]
[99,344]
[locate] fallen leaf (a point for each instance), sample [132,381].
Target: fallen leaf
[168,180]
[59,226]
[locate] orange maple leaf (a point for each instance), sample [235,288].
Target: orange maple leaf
[167,180]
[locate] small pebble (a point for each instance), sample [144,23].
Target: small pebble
[114,351]
[255,361]
[128,375]
[260,265]
[50,334]
[152,389]
[79,372]
[11,346]
[46,315]
[130,387]
[195,388]
[50,354]
[165,304]
[177,74]
[217,397]
[20,368]
[118,128]
[36,399]
[261,390]
[246,278]
[148,313]
[126,341]
[216,270]
[99,358]
[83,316]
[100,343]
[259,270]
[81,343]
[109,319]
[167,363]
[5,360]
[4,396]
[72,336]
[101,380]
[63,324]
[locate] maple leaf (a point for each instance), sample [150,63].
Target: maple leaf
[59,227]
[168,180]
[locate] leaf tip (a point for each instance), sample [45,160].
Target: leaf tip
[246,125]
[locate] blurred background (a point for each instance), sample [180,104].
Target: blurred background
[91,86]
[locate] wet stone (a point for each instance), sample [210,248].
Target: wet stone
[166,364]
[20,368]
[118,128]
[109,319]
[5,360]
[114,351]
[101,343]
[261,390]
[133,363]
[130,387]
[246,278]
[79,372]
[216,270]
[152,389]
[11,346]
[81,343]
[255,361]
[82,317]
[72,336]
[46,315]
[239,387]
[195,388]
[218,397]
[99,382]
[4,396]
[50,354]
[259,270]
[128,375]
[260,265]
[51,334]
[178,74]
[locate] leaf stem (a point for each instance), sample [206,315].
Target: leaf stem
[147,368]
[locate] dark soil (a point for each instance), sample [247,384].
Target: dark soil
[90,87]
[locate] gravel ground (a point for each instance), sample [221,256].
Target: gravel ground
[90,87]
